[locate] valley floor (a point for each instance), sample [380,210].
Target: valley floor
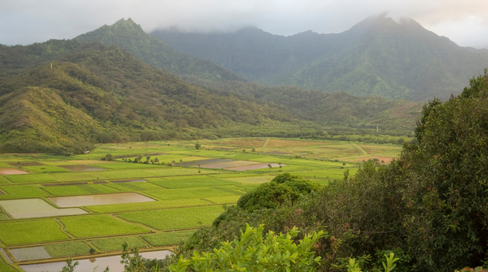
[54,207]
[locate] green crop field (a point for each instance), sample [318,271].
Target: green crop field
[83,189]
[21,191]
[167,194]
[125,165]
[173,219]
[154,205]
[223,199]
[5,267]
[185,196]
[77,176]
[189,181]
[167,238]
[133,186]
[67,249]
[4,180]
[115,243]
[99,226]
[45,169]
[20,232]
[31,178]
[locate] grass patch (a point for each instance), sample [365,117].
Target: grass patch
[153,205]
[168,238]
[115,243]
[31,231]
[172,219]
[5,165]
[45,169]
[189,181]
[99,226]
[83,189]
[77,176]
[3,217]
[31,178]
[22,191]
[133,186]
[4,180]
[5,267]
[224,199]
[191,193]
[68,249]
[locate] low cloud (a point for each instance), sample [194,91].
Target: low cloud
[24,22]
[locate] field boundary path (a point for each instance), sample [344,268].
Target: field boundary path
[360,149]
[266,143]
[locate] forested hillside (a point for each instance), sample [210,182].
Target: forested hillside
[128,35]
[103,94]
[378,56]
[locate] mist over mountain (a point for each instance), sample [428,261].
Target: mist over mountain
[64,95]
[128,35]
[377,56]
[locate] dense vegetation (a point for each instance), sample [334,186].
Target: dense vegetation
[128,35]
[63,96]
[428,207]
[378,56]
[103,94]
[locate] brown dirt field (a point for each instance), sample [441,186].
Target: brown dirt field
[243,142]
[287,143]
[9,171]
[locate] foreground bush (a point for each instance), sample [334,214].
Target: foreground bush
[253,252]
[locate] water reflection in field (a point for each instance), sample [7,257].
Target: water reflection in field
[89,200]
[113,262]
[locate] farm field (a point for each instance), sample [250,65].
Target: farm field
[54,207]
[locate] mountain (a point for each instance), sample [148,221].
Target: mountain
[62,96]
[378,56]
[97,93]
[128,35]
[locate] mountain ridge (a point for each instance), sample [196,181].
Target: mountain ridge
[130,36]
[377,56]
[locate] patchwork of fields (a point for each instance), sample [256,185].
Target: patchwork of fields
[56,207]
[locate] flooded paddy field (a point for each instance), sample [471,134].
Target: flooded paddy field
[91,264]
[34,208]
[89,200]
[59,207]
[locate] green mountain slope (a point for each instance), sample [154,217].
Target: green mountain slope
[378,56]
[103,94]
[128,35]
[328,109]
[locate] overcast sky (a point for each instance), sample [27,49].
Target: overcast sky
[28,21]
